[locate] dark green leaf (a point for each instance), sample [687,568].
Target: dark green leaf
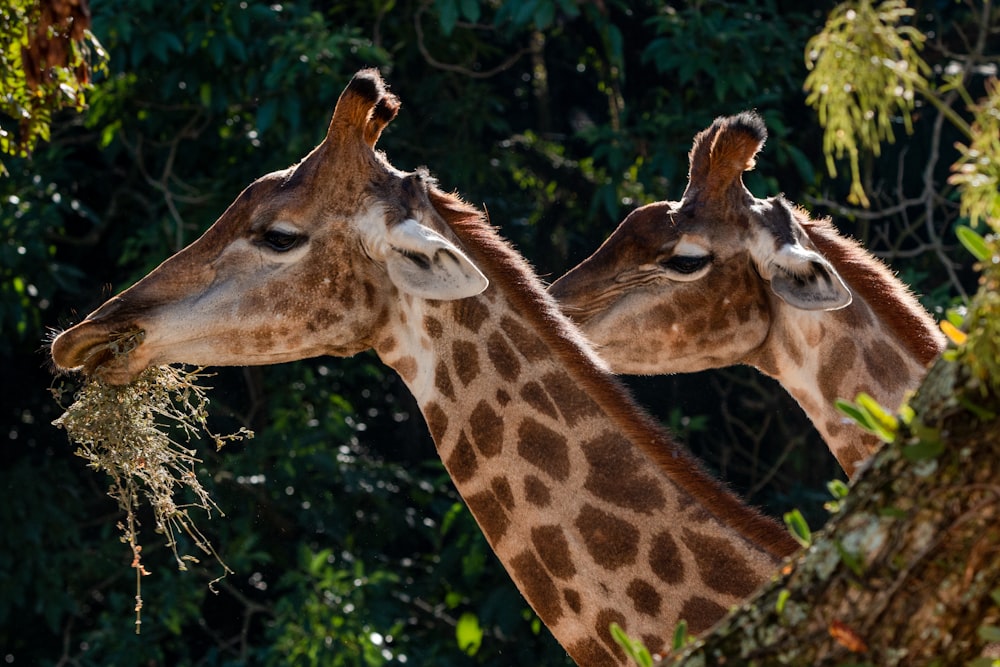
[923,450]
[447,15]
[973,242]
[471,10]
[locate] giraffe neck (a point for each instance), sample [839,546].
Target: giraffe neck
[558,469]
[821,357]
[880,344]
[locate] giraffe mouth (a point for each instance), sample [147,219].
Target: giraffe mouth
[96,349]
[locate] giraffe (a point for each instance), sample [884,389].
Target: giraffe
[597,515]
[722,277]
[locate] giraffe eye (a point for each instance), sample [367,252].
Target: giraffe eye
[686,264]
[280,240]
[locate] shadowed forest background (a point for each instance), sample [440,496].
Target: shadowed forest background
[348,542]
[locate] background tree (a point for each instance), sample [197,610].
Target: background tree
[348,542]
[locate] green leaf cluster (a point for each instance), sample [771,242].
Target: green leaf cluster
[27,103]
[865,71]
[869,415]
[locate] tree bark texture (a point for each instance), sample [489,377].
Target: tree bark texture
[907,571]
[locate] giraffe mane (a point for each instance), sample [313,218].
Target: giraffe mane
[891,300]
[509,271]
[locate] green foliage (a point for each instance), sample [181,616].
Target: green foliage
[973,242]
[798,527]
[839,490]
[468,633]
[782,601]
[977,171]
[46,62]
[681,636]
[871,416]
[634,648]
[857,112]
[320,624]
[977,175]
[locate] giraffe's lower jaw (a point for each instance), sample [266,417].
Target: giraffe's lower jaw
[96,350]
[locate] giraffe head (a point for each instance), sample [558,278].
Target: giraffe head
[304,263]
[688,285]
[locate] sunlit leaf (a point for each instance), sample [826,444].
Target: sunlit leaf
[954,334]
[468,633]
[798,527]
[633,648]
[973,242]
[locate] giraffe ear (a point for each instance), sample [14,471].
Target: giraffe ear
[804,279]
[423,263]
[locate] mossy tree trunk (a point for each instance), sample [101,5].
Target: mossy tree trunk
[907,572]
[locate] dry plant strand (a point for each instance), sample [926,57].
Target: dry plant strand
[122,430]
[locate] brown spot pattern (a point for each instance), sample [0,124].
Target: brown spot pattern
[613,474]
[535,396]
[665,559]
[462,461]
[590,652]
[611,542]
[544,448]
[487,429]
[503,398]
[552,547]
[835,368]
[503,357]
[573,402]
[489,514]
[524,340]
[766,362]
[790,348]
[538,587]
[536,492]
[501,489]
[572,599]
[653,643]
[471,313]
[442,380]
[387,344]
[437,420]
[370,292]
[602,625]
[466,358]
[720,567]
[406,367]
[883,362]
[346,296]
[433,327]
[645,599]
[684,500]
[324,319]
[855,316]
[701,614]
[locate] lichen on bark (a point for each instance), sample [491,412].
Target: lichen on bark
[907,571]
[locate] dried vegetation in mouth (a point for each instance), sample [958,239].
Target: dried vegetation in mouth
[133,433]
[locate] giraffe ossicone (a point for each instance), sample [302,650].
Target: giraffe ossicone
[722,277]
[595,513]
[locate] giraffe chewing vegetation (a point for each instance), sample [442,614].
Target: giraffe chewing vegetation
[596,514]
[722,277]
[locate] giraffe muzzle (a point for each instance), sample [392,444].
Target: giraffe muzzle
[94,348]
